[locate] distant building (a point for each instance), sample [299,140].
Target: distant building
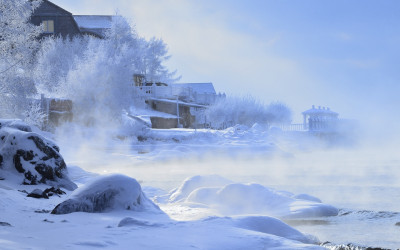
[320,119]
[186,101]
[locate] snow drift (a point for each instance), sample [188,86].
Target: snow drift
[266,225]
[37,158]
[107,193]
[236,198]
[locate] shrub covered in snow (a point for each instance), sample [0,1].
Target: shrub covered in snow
[17,48]
[30,154]
[105,193]
[246,111]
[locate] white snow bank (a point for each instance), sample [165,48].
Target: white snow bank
[106,193]
[265,224]
[236,199]
[15,123]
[194,183]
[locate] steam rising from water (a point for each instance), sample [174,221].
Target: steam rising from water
[351,178]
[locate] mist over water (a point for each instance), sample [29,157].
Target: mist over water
[360,179]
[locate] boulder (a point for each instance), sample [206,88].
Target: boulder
[38,194]
[107,193]
[31,155]
[48,192]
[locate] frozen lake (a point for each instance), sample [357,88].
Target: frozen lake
[362,183]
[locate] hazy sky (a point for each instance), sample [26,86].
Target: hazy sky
[343,54]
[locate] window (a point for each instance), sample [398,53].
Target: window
[48,26]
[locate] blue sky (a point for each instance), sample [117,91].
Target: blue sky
[343,54]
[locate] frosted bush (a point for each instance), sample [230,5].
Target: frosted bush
[246,111]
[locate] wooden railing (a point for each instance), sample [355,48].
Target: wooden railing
[168,92]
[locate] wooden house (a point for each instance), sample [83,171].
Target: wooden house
[55,19]
[59,22]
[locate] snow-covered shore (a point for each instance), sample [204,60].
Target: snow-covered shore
[236,210]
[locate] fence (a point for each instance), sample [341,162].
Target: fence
[292,127]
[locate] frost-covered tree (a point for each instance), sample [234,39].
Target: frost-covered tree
[17,45]
[156,53]
[55,59]
[97,74]
[246,111]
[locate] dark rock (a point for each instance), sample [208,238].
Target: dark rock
[5,224]
[95,204]
[45,171]
[397,224]
[43,211]
[49,151]
[30,179]
[38,194]
[49,221]
[53,191]
[349,246]
[17,163]
[1,161]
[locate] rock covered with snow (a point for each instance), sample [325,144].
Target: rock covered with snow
[30,154]
[194,183]
[107,193]
[236,199]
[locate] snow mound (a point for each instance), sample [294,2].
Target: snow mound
[128,221]
[237,199]
[15,123]
[269,225]
[306,197]
[30,154]
[106,193]
[195,182]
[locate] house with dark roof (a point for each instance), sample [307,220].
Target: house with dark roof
[55,19]
[60,22]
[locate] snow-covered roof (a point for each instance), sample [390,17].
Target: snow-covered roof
[199,88]
[94,24]
[320,111]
